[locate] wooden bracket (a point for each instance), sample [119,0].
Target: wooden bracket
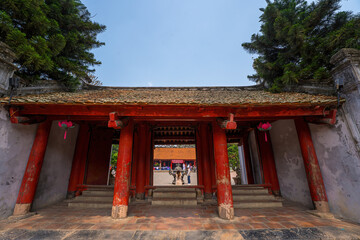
[114,121]
[14,114]
[329,118]
[228,124]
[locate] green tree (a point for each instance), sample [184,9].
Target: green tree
[297,40]
[51,38]
[114,154]
[233,155]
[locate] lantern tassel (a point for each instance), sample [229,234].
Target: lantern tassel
[65,135]
[265,137]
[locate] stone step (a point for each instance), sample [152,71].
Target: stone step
[254,197]
[174,202]
[248,186]
[176,194]
[94,199]
[247,191]
[257,204]
[90,204]
[174,189]
[97,193]
[100,187]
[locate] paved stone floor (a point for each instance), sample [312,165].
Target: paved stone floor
[149,222]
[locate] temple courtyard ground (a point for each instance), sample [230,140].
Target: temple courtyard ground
[150,222]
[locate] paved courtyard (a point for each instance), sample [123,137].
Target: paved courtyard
[149,222]
[163,178]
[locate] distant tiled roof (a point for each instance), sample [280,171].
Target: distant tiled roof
[175,153]
[215,96]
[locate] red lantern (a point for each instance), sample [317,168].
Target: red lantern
[66,125]
[264,127]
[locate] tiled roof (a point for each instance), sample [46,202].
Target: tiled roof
[174,96]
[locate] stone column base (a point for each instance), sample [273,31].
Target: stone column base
[21,209]
[119,211]
[276,193]
[140,196]
[322,206]
[71,195]
[208,195]
[226,211]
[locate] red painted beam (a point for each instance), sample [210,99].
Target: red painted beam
[328,119]
[172,111]
[121,188]
[33,169]
[177,137]
[224,190]
[312,168]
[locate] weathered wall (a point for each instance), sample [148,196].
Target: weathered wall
[289,163]
[340,167]
[339,163]
[15,144]
[55,172]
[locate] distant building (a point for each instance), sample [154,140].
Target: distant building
[166,158]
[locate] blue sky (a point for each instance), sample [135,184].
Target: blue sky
[177,42]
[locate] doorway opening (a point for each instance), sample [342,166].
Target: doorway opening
[174,159]
[112,164]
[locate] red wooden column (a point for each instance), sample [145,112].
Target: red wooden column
[135,158]
[269,167]
[224,191]
[33,169]
[312,168]
[151,179]
[84,158]
[148,149]
[249,173]
[199,158]
[121,188]
[212,159]
[205,160]
[140,173]
[82,144]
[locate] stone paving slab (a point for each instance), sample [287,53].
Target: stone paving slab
[201,222]
[266,234]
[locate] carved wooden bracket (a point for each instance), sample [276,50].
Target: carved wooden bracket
[228,124]
[114,121]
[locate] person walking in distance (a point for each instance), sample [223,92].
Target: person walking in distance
[188,171]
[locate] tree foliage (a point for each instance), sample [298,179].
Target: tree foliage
[233,155]
[114,154]
[297,40]
[51,38]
